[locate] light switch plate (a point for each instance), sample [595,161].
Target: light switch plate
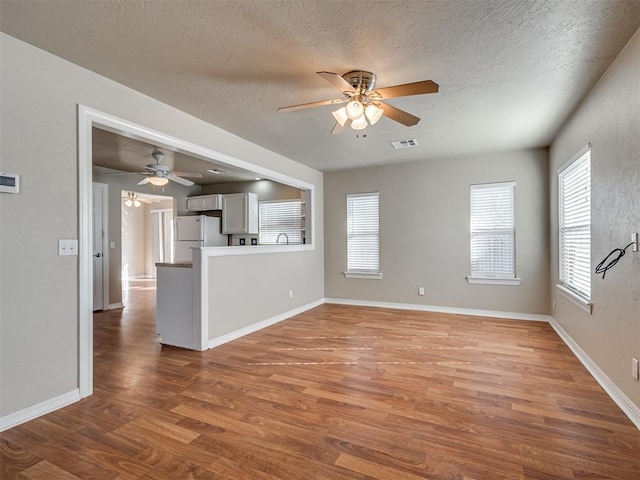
[67,247]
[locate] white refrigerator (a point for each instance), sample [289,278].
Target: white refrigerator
[196,231]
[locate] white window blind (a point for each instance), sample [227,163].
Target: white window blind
[493,230]
[363,234]
[575,226]
[281,219]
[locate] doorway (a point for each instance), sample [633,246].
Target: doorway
[146,235]
[88,118]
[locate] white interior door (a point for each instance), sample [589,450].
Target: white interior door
[98,250]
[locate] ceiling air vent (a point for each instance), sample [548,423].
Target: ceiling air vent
[217,171]
[397,144]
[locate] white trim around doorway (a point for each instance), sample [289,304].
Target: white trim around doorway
[88,118]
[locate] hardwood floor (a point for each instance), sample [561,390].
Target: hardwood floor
[335,393]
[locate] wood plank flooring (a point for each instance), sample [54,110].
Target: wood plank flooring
[336,393]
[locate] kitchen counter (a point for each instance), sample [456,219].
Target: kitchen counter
[175,264]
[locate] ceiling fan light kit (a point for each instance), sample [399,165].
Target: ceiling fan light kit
[364,103]
[158,181]
[132,201]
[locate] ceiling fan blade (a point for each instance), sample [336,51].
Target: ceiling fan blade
[405,90]
[188,174]
[181,181]
[337,128]
[398,115]
[144,181]
[321,103]
[338,82]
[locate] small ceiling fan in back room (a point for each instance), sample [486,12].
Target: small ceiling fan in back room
[159,175]
[364,105]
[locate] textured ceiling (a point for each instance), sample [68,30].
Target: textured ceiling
[510,72]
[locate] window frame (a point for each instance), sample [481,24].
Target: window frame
[495,278]
[364,273]
[566,287]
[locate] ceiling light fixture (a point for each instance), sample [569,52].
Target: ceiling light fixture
[132,201]
[158,181]
[358,111]
[354,108]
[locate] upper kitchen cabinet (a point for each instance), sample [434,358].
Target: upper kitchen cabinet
[203,203]
[240,213]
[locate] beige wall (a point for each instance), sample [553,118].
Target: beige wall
[424,232]
[609,119]
[38,289]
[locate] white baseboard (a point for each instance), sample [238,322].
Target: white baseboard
[626,405]
[214,342]
[35,411]
[113,306]
[432,308]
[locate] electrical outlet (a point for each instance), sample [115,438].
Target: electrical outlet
[634,240]
[421,291]
[290,293]
[634,369]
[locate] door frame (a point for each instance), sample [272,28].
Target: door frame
[88,118]
[104,187]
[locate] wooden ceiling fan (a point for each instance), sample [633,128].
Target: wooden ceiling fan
[364,104]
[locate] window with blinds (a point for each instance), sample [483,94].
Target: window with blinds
[363,255]
[280,222]
[493,230]
[574,184]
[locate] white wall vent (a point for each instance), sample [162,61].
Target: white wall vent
[412,142]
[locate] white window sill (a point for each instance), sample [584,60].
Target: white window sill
[573,297]
[367,276]
[493,281]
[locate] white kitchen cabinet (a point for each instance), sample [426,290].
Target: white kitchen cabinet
[240,213]
[202,203]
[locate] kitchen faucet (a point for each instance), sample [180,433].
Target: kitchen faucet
[285,236]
